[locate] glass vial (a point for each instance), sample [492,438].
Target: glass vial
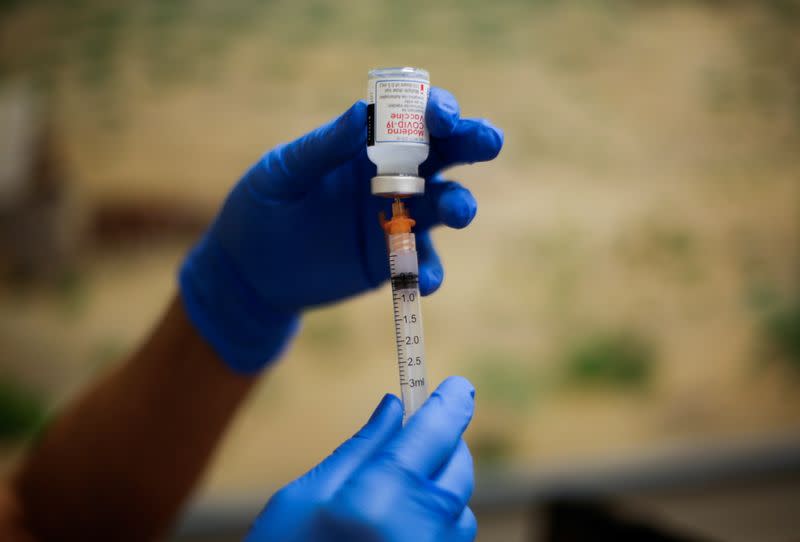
[397,137]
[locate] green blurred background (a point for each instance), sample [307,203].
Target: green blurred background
[630,284]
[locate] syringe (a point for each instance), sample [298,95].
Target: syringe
[404,272]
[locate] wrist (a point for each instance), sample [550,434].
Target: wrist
[228,313]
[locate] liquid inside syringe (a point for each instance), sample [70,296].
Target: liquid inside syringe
[404,271]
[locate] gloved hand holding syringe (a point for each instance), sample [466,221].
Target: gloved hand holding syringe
[269,256]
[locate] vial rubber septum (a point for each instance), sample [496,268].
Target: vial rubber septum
[397,135]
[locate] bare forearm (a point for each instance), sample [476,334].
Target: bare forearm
[119,462]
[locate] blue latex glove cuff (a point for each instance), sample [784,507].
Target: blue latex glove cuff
[228,314]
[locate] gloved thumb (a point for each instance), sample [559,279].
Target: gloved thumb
[329,475]
[289,170]
[296,503]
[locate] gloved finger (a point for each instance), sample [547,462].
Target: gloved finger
[384,423]
[432,434]
[442,113]
[318,485]
[445,202]
[431,272]
[465,528]
[288,170]
[472,140]
[457,476]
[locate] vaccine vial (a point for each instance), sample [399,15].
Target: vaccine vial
[397,137]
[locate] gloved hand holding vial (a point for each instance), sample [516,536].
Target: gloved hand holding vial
[268,257]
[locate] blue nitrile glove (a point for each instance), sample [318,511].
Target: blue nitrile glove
[388,483]
[301,229]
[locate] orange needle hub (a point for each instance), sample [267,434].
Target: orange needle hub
[400,221]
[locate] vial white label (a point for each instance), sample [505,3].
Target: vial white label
[397,111]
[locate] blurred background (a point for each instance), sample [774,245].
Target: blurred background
[627,301]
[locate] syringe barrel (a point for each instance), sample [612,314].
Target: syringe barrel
[404,271]
[403,242]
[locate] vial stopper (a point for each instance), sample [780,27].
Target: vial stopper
[397,185]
